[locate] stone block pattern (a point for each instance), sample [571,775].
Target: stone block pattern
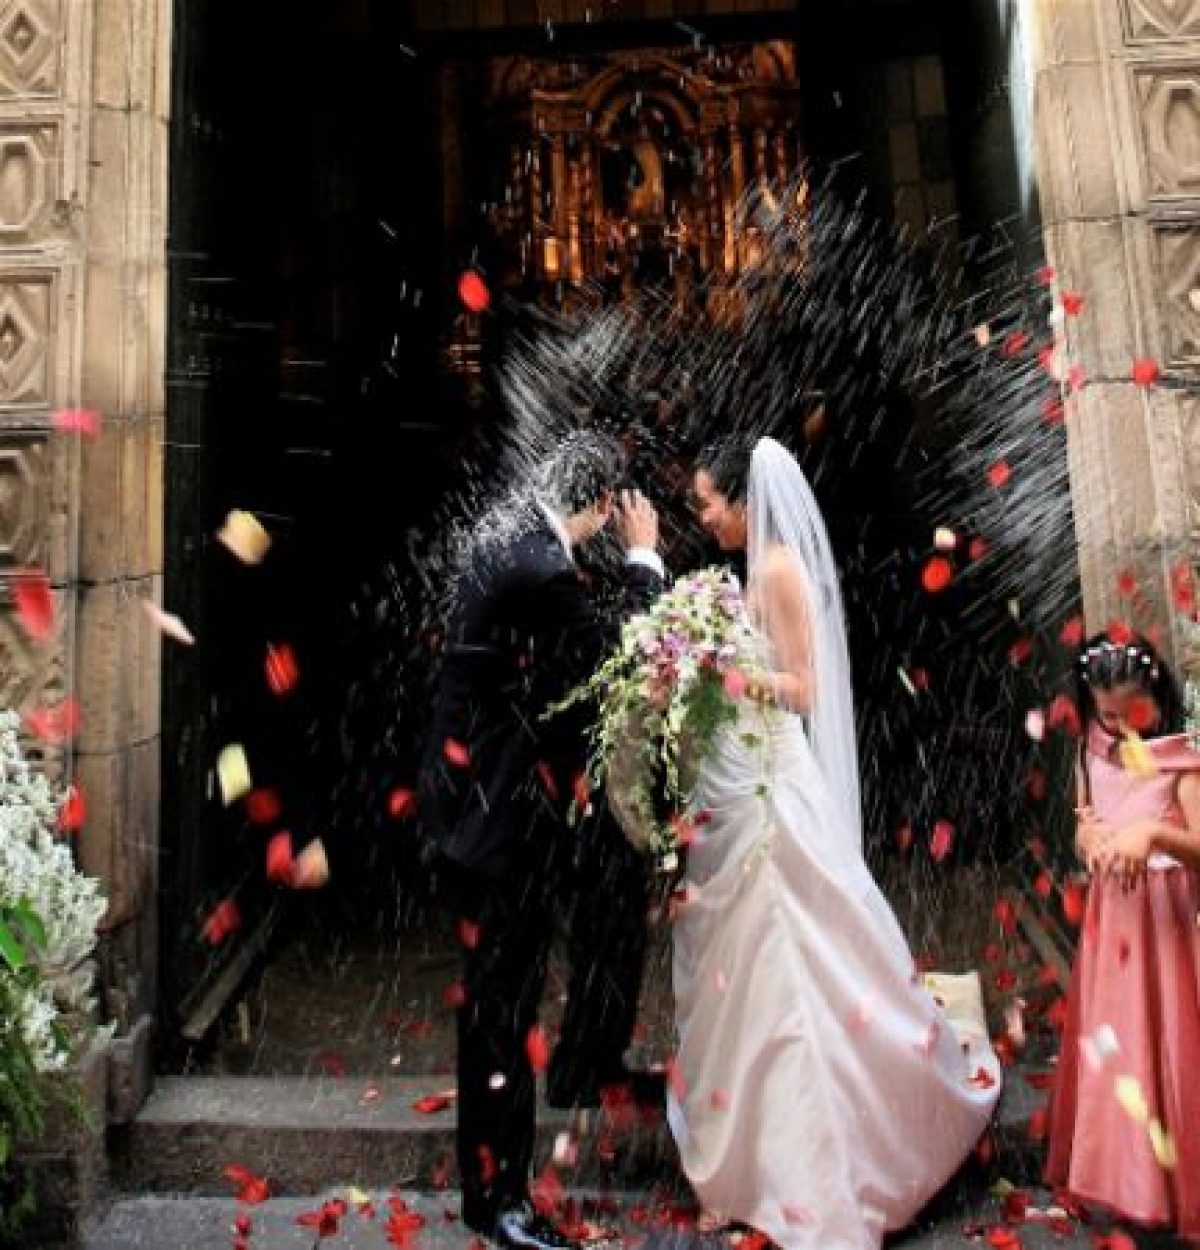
[1117,109]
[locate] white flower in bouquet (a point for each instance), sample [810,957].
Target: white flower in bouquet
[673,683]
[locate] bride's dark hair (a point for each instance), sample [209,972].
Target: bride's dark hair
[728,464]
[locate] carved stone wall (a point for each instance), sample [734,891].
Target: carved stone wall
[83,109]
[1117,107]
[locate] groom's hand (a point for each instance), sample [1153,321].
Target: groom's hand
[638,520]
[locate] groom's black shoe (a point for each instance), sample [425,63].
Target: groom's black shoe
[521,1228]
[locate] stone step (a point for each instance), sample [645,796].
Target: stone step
[201,1223]
[306,1134]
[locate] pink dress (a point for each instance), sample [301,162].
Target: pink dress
[1127,1091]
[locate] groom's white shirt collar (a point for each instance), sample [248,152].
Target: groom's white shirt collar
[646,556]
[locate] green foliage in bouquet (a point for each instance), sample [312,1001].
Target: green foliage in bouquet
[48,917]
[663,697]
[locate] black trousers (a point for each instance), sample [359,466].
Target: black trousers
[598,884]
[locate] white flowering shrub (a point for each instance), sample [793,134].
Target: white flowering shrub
[49,911]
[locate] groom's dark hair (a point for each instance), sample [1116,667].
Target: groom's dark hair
[728,465]
[584,467]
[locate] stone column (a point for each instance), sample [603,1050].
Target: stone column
[1116,98]
[120,563]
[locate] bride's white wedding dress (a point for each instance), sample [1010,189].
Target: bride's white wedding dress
[822,1095]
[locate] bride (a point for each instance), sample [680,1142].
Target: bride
[822,1095]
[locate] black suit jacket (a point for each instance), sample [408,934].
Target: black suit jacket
[523,631]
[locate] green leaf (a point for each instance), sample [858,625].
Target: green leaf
[11,950]
[31,923]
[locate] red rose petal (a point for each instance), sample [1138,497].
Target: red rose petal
[1142,713]
[473,292]
[937,574]
[56,722]
[1071,634]
[1063,714]
[77,421]
[999,474]
[457,753]
[1014,344]
[1020,651]
[431,1104]
[1119,633]
[282,670]
[1072,303]
[73,812]
[224,919]
[280,858]
[263,807]
[1074,902]
[455,995]
[546,776]
[1146,371]
[251,1189]
[1054,411]
[34,604]
[1006,916]
[402,803]
[941,840]
[537,1048]
[1038,1124]
[1043,885]
[1183,589]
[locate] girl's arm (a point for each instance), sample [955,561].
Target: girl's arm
[1091,835]
[783,602]
[1133,844]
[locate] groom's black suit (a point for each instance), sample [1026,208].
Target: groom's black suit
[525,630]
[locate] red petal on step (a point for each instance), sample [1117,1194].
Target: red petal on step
[431,1104]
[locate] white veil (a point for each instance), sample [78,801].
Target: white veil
[783,512]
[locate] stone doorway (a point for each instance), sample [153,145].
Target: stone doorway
[329,182]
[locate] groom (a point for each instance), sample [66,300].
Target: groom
[497,782]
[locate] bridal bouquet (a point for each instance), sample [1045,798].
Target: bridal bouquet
[663,695]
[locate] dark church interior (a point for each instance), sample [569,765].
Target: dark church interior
[336,174]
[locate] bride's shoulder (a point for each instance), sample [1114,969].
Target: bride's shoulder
[778,565]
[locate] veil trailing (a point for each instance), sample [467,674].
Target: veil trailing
[782,512]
